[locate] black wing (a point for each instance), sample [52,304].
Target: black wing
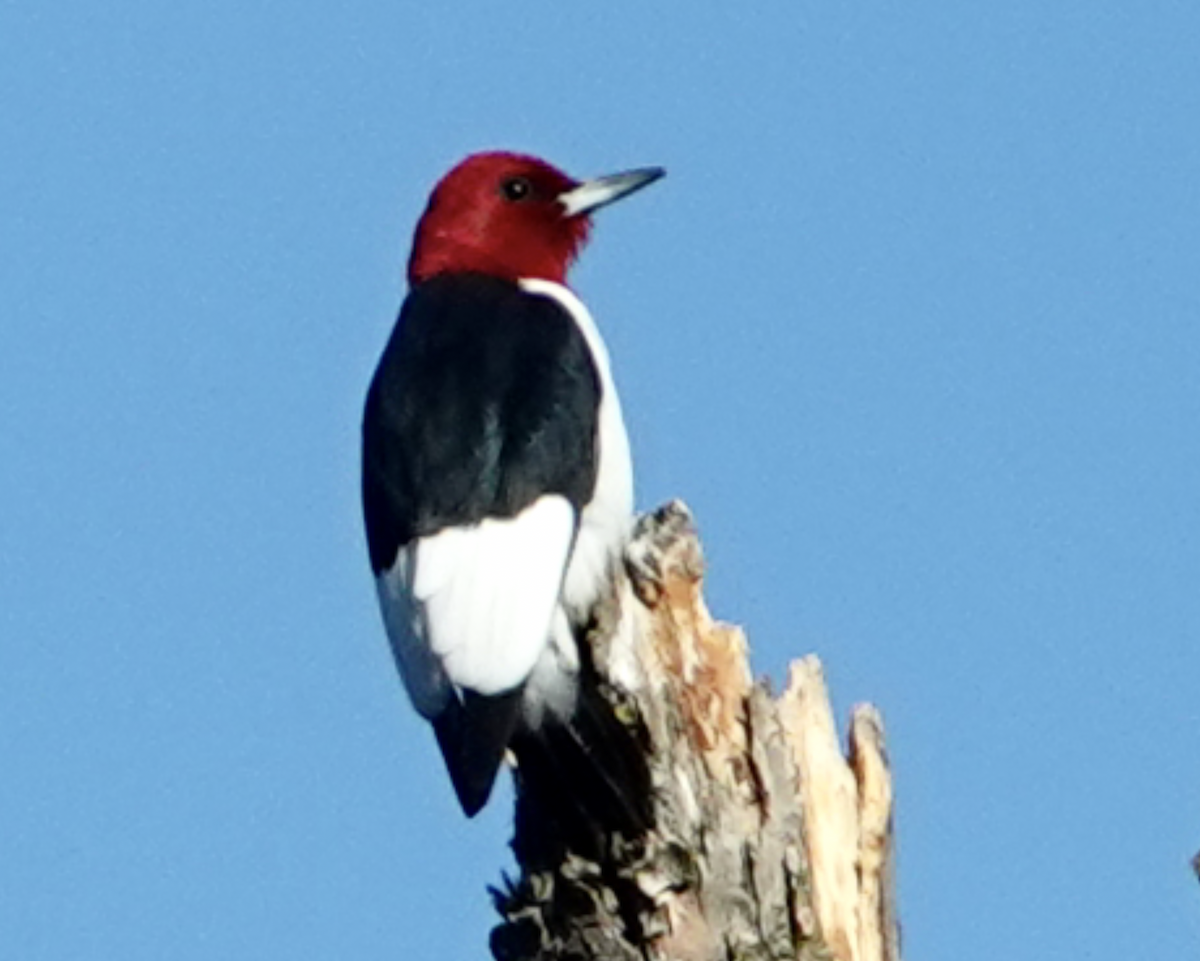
[486,397]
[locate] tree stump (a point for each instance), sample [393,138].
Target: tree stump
[768,842]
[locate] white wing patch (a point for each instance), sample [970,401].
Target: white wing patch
[472,607]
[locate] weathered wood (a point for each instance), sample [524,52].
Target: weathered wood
[768,844]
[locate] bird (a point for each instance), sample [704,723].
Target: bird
[497,481]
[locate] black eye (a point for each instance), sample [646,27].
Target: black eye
[516,188]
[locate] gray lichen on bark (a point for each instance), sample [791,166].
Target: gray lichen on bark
[768,843]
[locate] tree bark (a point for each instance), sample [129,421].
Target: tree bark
[768,842]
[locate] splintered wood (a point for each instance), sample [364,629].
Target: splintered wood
[769,843]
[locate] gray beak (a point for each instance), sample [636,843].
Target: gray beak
[592,194]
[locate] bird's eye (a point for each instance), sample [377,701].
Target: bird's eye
[516,188]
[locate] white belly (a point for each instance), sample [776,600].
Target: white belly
[604,526]
[606,521]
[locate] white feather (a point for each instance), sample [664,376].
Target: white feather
[606,521]
[552,685]
[428,687]
[472,607]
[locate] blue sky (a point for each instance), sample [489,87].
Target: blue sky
[912,325]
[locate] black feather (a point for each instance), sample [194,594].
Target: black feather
[580,781]
[485,399]
[473,734]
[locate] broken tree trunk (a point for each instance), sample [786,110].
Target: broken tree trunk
[767,842]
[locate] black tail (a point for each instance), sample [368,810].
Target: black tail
[581,781]
[473,735]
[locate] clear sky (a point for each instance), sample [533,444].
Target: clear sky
[911,324]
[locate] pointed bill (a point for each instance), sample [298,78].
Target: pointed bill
[591,194]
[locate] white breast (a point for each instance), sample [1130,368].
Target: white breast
[608,517]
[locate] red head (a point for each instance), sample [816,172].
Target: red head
[511,216]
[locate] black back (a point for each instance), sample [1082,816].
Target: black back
[486,397]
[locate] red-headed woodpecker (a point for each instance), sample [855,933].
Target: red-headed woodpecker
[497,483]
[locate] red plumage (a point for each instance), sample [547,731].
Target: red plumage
[499,213]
